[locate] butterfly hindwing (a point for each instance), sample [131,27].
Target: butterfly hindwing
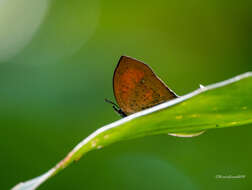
[136,87]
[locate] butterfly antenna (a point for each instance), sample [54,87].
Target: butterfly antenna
[116,108]
[110,102]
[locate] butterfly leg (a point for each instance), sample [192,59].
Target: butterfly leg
[116,108]
[119,111]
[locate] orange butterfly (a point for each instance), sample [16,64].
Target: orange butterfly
[137,87]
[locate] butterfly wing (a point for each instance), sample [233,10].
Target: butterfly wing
[136,87]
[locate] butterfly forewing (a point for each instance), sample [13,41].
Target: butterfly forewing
[136,87]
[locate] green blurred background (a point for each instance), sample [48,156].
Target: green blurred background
[57,59]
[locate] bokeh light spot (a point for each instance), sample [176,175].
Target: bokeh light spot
[19,21]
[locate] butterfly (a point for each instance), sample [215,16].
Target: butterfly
[136,87]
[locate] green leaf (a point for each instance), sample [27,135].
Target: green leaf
[224,104]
